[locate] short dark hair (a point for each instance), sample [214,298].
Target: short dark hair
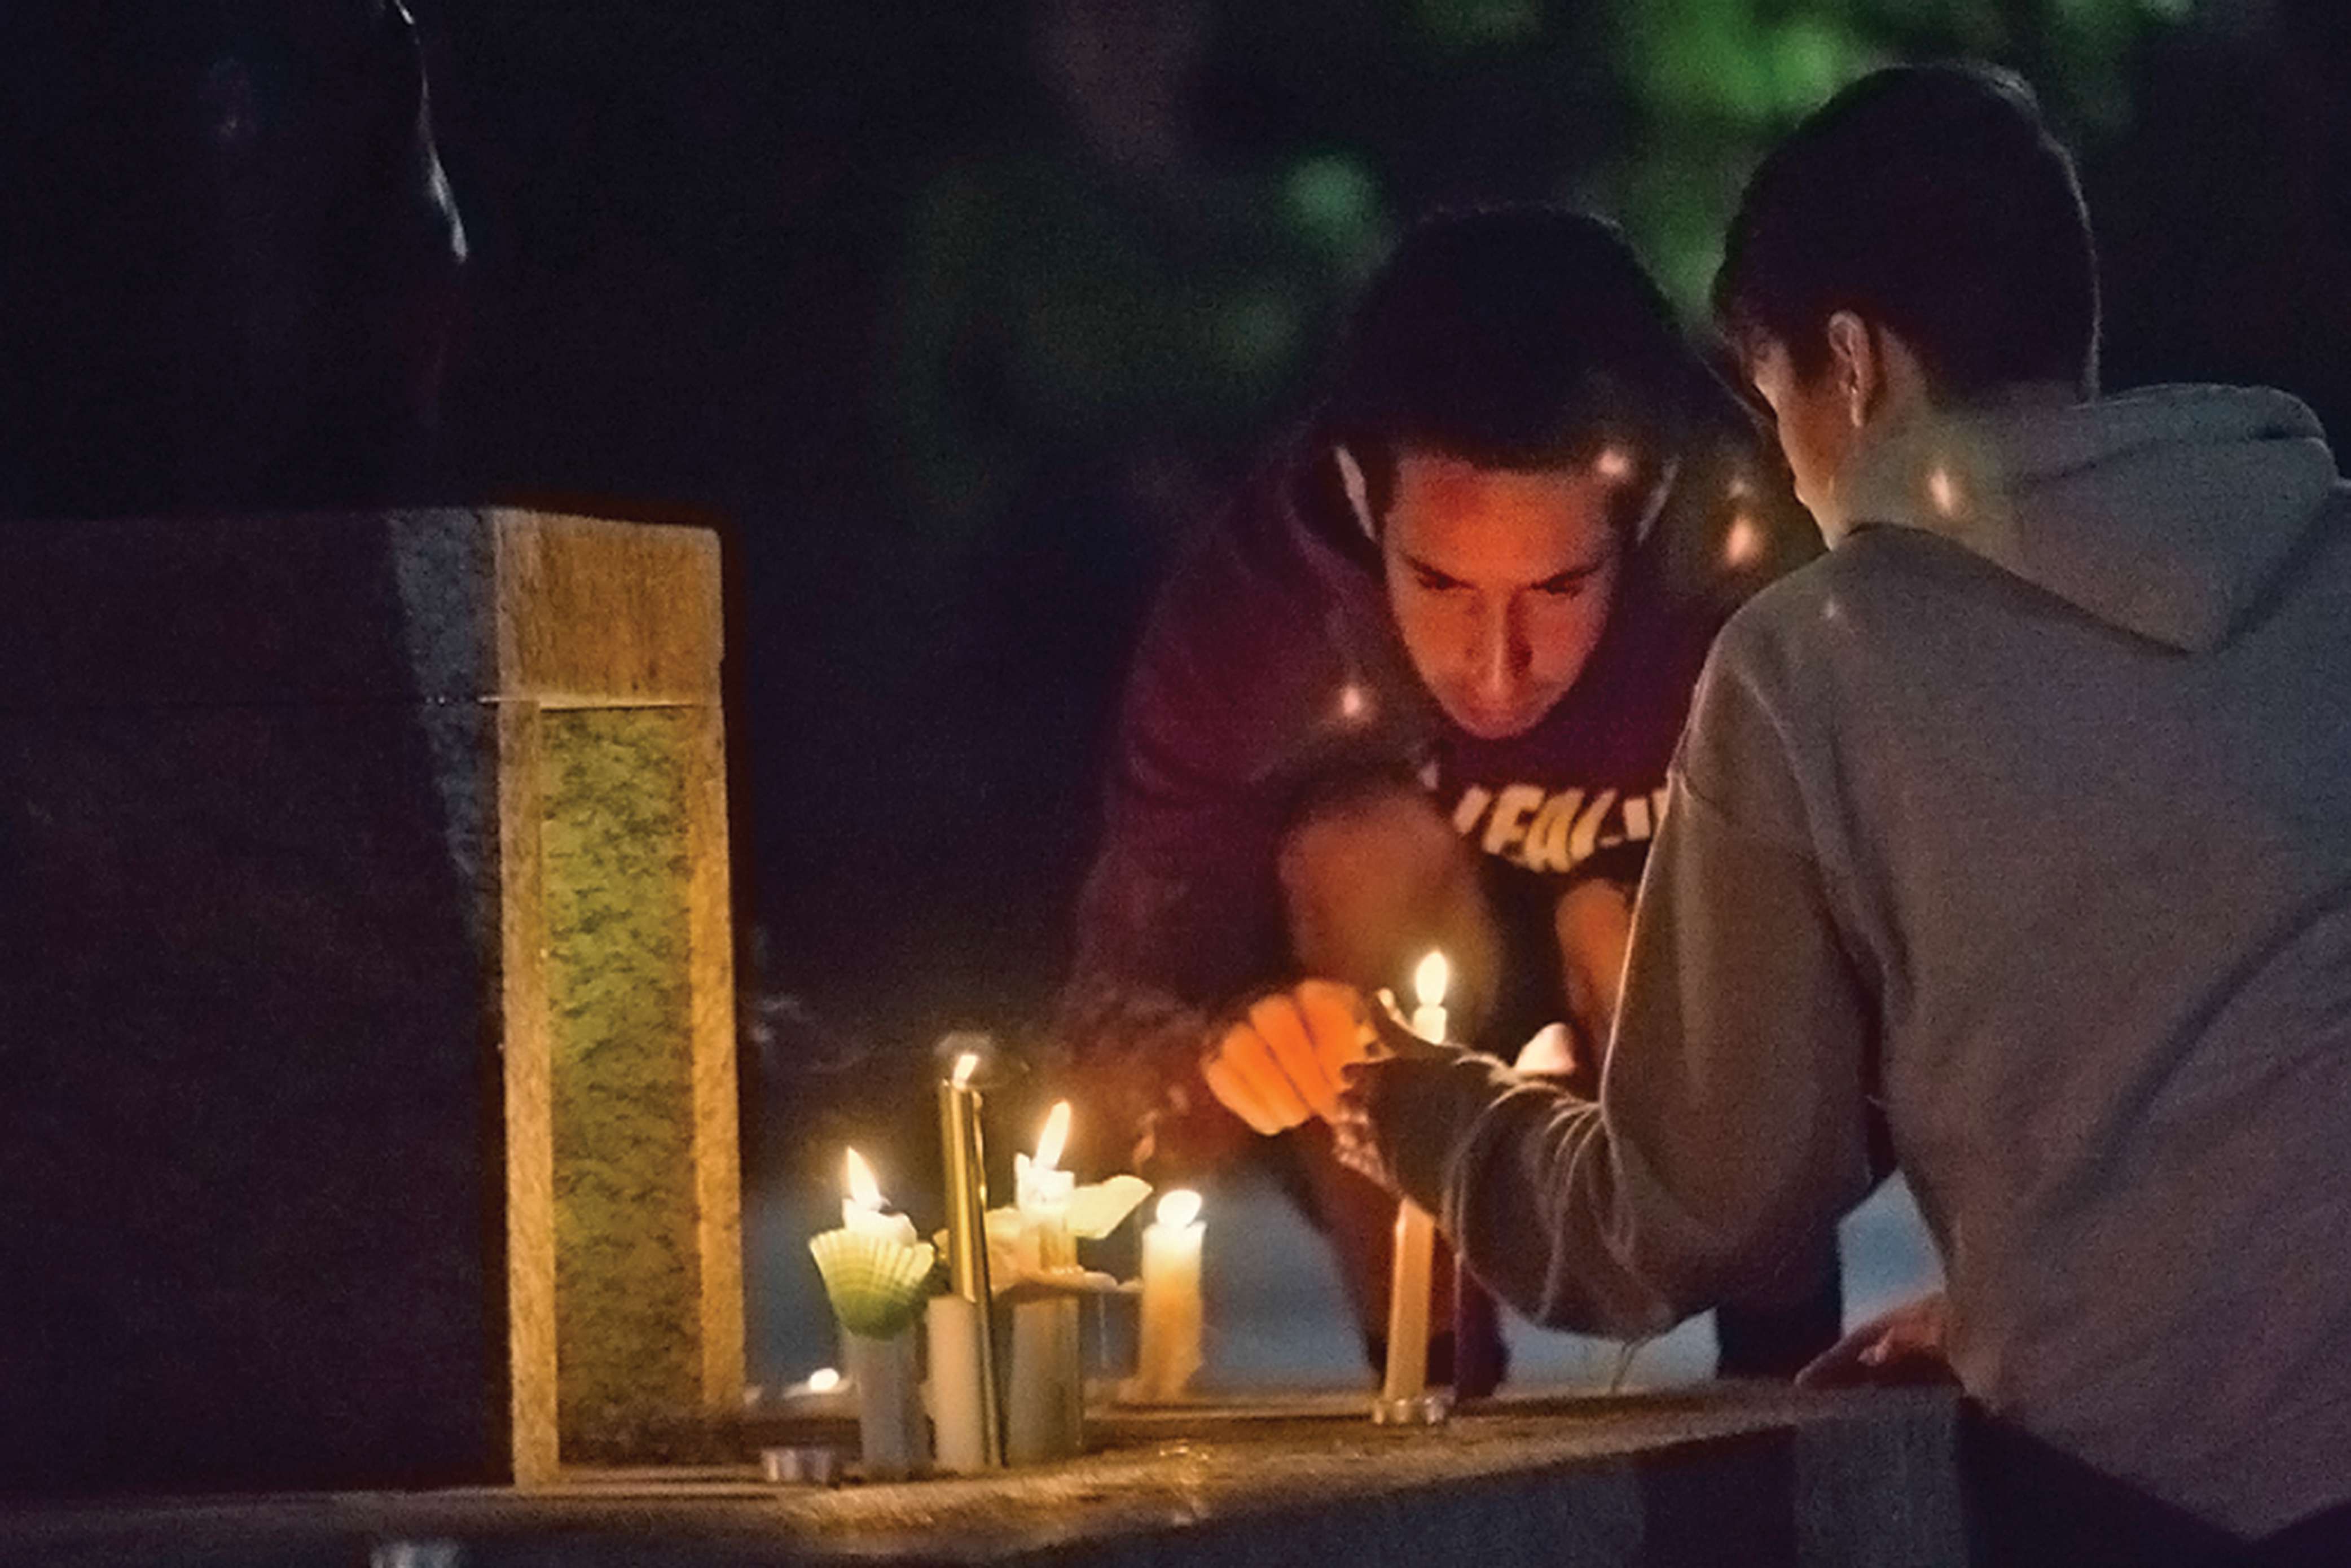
[1516,337]
[1933,201]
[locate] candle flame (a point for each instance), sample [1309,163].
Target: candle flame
[1055,1137]
[823,1380]
[966,1065]
[863,1190]
[1179,1207]
[1429,981]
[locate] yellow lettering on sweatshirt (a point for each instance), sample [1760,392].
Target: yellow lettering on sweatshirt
[1508,823]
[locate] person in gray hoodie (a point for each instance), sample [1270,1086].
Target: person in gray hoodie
[2019,826]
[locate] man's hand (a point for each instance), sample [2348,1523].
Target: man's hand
[1392,1048]
[1280,1065]
[1903,1346]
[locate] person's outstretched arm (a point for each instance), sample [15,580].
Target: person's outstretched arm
[1179,918]
[1729,1134]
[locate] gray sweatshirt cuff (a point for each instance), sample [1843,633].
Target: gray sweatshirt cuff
[1423,1111]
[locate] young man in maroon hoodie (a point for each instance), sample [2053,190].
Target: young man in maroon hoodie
[1417,688]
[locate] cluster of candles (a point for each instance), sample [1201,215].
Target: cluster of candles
[1031,1408]
[881,1279]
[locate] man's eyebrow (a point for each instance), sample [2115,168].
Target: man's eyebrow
[1575,574]
[1568,578]
[1425,570]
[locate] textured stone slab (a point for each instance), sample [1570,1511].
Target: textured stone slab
[365,999]
[644,1234]
[1628,1483]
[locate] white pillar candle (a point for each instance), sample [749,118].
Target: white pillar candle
[1167,1350]
[958,1400]
[890,1426]
[1044,1406]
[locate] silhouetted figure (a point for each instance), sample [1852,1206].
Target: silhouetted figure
[229,259]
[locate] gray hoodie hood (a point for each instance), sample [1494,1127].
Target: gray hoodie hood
[2166,512]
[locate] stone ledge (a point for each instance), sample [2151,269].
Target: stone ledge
[1726,1476]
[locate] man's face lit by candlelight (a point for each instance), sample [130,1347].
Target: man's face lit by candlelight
[1502,582]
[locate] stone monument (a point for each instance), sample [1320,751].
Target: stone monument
[366,1081]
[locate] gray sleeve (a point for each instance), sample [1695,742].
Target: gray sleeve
[1730,1132]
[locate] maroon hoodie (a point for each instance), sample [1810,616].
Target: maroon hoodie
[1271,665]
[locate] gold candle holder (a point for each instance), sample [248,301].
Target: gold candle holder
[967,1183]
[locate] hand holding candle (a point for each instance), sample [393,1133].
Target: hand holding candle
[1282,1063]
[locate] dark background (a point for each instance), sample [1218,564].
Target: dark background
[952,317]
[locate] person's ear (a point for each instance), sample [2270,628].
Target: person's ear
[1856,368]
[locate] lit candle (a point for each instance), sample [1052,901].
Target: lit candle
[1428,985]
[1404,1390]
[1040,1184]
[1407,1379]
[864,1211]
[1168,1351]
[1045,1397]
[892,1435]
[967,1409]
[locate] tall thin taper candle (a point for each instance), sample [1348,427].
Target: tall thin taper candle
[967,1395]
[1404,1391]
[1416,1254]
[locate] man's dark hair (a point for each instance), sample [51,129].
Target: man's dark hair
[1519,337]
[1931,200]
